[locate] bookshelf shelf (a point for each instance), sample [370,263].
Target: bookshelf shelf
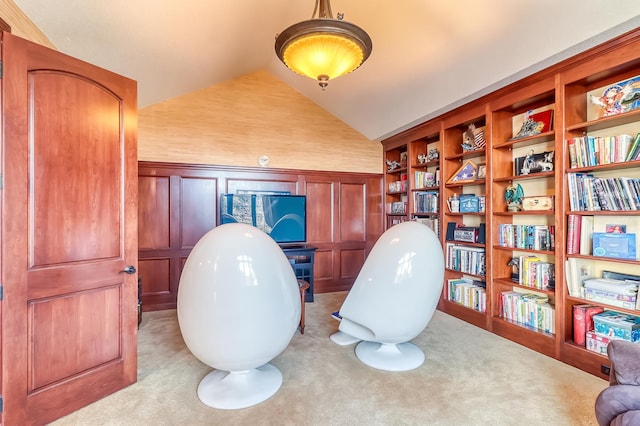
[467,154]
[426,188]
[479,277]
[465,184]
[526,213]
[567,89]
[605,122]
[524,177]
[603,167]
[524,250]
[426,165]
[526,141]
[524,327]
[605,212]
[397,171]
[604,259]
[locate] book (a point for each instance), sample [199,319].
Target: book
[610,298]
[610,285]
[574,223]
[619,246]
[634,150]
[573,163]
[583,321]
[586,232]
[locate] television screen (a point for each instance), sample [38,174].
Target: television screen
[283,217]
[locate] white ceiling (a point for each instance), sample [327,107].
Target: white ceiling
[428,55]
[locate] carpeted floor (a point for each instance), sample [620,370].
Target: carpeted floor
[470,377]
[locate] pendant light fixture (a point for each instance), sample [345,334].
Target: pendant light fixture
[323,48]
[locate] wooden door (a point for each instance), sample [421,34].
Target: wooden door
[69,229]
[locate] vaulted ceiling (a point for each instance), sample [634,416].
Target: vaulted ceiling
[428,55]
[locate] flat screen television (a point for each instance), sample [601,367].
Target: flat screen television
[283,217]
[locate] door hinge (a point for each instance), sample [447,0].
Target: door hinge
[1,70]
[1,297]
[1,180]
[1,405]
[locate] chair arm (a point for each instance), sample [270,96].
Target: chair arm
[616,400]
[625,362]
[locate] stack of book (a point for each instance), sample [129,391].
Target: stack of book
[468,292]
[612,325]
[614,292]
[531,309]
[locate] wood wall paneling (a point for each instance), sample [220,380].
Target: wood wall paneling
[156,276]
[281,183]
[352,212]
[153,212]
[337,219]
[198,209]
[351,261]
[320,220]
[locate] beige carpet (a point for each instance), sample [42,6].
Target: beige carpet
[470,377]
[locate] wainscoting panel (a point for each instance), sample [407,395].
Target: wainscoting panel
[153,213]
[198,209]
[344,218]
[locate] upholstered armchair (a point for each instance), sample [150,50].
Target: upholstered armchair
[619,404]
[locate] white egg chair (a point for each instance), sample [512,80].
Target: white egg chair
[393,298]
[238,308]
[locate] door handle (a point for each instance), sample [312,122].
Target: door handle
[129,270]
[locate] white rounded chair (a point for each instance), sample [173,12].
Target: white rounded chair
[393,298]
[238,308]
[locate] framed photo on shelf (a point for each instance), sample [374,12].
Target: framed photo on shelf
[535,123]
[618,98]
[533,163]
[468,172]
[482,171]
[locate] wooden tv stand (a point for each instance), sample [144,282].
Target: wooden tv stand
[301,258]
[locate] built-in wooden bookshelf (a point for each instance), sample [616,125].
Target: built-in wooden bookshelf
[413,190]
[564,94]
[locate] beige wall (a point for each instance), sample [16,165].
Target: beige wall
[237,121]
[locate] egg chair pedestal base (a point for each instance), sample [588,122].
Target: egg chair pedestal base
[390,357]
[234,390]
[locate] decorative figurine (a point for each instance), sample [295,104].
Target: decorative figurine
[473,139]
[392,165]
[422,158]
[514,196]
[528,163]
[547,163]
[454,203]
[530,126]
[433,154]
[515,269]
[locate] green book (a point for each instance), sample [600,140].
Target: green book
[634,151]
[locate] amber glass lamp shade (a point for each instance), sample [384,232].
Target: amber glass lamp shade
[323,48]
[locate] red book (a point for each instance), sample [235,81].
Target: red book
[583,321]
[579,324]
[589,313]
[574,227]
